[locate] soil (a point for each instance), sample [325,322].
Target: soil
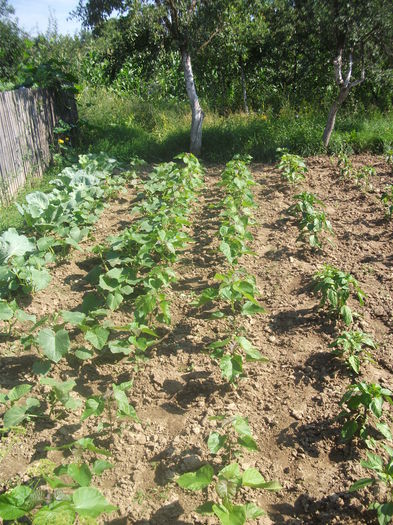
[291,402]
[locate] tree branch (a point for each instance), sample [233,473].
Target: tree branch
[338,64]
[207,42]
[349,74]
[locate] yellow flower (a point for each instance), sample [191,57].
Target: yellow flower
[263,116]
[60,141]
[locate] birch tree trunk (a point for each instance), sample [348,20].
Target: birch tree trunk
[196,110]
[332,116]
[244,90]
[345,85]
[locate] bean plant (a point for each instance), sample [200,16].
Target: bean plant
[352,346]
[335,288]
[311,221]
[293,168]
[387,200]
[229,480]
[382,468]
[362,412]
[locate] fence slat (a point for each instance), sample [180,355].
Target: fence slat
[27,120]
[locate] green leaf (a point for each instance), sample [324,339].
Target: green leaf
[231,366]
[94,406]
[100,465]
[84,353]
[41,367]
[250,308]
[247,442]
[40,279]
[17,414]
[361,483]
[13,504]
[196,480]
[234,515]
[73,318]
[205,508]
[349,430]
[123,406]
[231,473]
[216,442]
[97,336]
[54,345]
[384,429]
[58,513]
[89,501]
[80,473]
[253,512]
[346,314]
[6,312]
[252,478]
[12,244]
[18,391]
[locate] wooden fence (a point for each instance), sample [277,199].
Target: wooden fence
[27,120]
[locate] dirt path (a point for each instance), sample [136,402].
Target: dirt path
[291,401]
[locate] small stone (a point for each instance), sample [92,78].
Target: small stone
[271,339]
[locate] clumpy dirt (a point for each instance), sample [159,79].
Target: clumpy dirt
[291,402]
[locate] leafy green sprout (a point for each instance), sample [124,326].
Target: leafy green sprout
[293,168]
[229,353]
[311,221]
[344,165]
[335,288]
[353,347]
[383,474]
[363,412]
[387,200]
[230,479]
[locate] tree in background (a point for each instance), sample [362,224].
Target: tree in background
[12,43]
[185,25]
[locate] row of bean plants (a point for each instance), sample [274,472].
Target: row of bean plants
[234,296]
[135,268]
[363,405]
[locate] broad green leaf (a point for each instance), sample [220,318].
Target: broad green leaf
[100,465]
[13,504]
[80,473]
[94,406]
[384,429]
[346,314]
[40,279]
[83,353]
[247,442]
[18,391]
[89,501]
[12,244]
[196,480]
[253,512]
[231,472]
[73,318]
[54,345]
[17,414]
[97,336]
[234,515]
[58,513]
[205,508]
[6,312]
[250,308]
[216,442]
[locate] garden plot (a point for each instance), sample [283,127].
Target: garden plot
[226,362]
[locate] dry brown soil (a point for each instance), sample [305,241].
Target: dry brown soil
[291,402]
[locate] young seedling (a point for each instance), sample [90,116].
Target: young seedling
[364,174]
[293,167]
[59,393]
[229,353]
[383,474]
[17,412]
[335,287]
[363,412]
[387,200]
[311,221]
[352,346]
[344,165]
[230,479]
[236,288]
[10,314]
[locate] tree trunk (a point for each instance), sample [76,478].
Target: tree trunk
[332,115]
[196,110]
[244,89]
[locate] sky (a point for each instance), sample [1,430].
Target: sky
[33,15]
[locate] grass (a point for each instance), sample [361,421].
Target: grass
[124,128]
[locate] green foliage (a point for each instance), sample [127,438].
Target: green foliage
[293,167]
[228,352]
[387,200]
[364,174]
[344,166]
[352,346]
[230,479]
[363,412]
[18,411]
[311,221]
[383,474]
[335,287]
